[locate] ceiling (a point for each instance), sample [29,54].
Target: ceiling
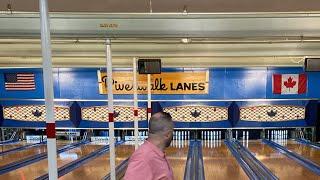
[287,43]
[174,53]
[111,6]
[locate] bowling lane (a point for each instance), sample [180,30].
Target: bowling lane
[6,147]
[37,169]
[282,166]
[19,155]
[100,166]
[304,150]
[177,155]
[219,162]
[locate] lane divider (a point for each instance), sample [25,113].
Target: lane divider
[120,170]
[188,167]
[79,162]
[194,169]
[30,160]
[262,171]
[308,143]
[294,156]
[245,166]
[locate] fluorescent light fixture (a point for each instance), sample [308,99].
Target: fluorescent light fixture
[185,40]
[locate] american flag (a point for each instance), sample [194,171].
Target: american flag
[19,81]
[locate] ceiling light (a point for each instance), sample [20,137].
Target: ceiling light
[185,40]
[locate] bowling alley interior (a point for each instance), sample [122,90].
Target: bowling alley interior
[80,80]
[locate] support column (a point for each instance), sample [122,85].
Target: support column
[149,97]
[48,89]
[110,109]
[135,104]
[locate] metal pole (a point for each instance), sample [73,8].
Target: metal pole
[110,109]
[149,97]
[135,104]
[48,89]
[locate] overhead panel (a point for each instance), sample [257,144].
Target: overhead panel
[163,25]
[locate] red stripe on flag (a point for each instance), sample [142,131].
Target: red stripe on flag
[277,80]
[135,112]
[302,86]
[111,117]
[149,110]
[51,130]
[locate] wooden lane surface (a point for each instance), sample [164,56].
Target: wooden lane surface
[6,147]
[304,150]
[219,162]
[26,153]
[100,166]
[39,168]
[177,155]
[282,166]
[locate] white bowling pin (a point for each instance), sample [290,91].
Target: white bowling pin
[182,135]
[176,135]
[213,135]
[205,135]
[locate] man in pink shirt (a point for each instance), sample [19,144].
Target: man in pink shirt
[149,162]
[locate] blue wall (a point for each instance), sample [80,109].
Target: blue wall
[224,83]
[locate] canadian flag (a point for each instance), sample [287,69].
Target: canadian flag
[289,83]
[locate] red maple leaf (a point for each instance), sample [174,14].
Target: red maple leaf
[290,83]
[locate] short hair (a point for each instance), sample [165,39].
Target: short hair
[160,122]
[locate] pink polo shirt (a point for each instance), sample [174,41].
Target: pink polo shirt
[148,162]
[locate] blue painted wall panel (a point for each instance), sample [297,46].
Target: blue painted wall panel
[37,93]
[94,124]
[225,83]
[218,124]
[245,83]
[296,123]
[313,85]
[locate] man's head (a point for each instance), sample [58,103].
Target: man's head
[161,127]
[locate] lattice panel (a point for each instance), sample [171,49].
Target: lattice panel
[272,113]
[34,113]
[197,113]
[121,113]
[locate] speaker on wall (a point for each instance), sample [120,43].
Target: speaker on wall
[149,66]
[312,64]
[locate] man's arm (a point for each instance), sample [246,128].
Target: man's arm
[138,169]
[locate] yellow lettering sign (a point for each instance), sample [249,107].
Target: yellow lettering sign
[164,83]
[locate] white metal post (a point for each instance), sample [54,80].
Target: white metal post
[135,104]
[149,97]
[48,89]
[110,109]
